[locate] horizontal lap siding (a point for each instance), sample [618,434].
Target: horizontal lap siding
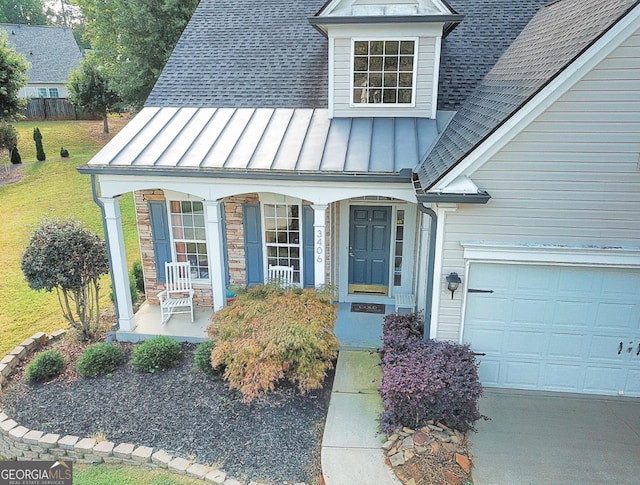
[571,177]
[342,83]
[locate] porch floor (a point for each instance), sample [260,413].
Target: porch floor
[354,330]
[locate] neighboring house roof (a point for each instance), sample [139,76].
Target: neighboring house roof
[264,53]
[52,51]
[554,38]
[217,140]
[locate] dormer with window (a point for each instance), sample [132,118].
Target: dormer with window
[384,55]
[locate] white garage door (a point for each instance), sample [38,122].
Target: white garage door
[557,328]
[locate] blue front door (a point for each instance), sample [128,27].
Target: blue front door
[369,239]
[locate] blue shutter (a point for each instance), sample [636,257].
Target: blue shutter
[252,243]
[160,236]
[308,247]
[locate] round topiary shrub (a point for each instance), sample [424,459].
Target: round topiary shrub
[156,354]
[46,365]
[202,359]
[100,359]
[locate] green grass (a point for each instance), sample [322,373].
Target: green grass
[124,475]
[52,188]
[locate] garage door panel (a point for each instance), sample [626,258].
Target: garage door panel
[555,327]
[489,372]
[572,313]
[602,379]
[524,375]
[529,310]
[616,315]
[567,345]
[563,377]
[525,344]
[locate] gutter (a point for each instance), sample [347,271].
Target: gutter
[96,199]
[430,265]
[385,19]
[481,197]
[403,176]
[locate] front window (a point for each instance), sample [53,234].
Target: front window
[42,92]
[282,236]
[189,236]
[53,93]
[383,71]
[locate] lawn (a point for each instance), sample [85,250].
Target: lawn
[123,475]
[52,188]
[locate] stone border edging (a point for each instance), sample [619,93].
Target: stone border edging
[22,444]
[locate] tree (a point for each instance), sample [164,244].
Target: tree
[89,90]
[134,38]
[37,137]
[65,256]
[30,12]
[13,76]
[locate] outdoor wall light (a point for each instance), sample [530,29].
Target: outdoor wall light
[453,281]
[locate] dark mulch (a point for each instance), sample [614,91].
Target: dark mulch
[186,413]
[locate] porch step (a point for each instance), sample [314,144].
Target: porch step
[405,300]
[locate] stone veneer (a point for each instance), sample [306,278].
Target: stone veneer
[19,443]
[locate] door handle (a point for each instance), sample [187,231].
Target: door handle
[620,348]
[351,255]
[638,352]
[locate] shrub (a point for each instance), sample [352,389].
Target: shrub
[156,354]
[270,335]
[37,137]
[425,381]
[138,275]
[202,359]
[64,153]
[46,365]
[16,159]
[100,359]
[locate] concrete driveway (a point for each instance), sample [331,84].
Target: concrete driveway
[553,438]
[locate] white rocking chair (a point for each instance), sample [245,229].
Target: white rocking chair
[280,275]
[178,292]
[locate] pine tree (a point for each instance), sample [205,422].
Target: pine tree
[37,137]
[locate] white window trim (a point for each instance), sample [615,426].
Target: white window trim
[177,197]
[280,199]
[416,41]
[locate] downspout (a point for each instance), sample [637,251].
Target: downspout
[430,265]
[96,199]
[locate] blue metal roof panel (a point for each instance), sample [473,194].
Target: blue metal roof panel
[406,144]
[382,145]
[337,143]
[291,145]
[272,139]
[359,147]
[313,142]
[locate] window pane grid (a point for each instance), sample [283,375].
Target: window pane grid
[189,236]
[399,243]
[383,72]
[282,236]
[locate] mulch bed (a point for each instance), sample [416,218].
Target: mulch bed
[184,412]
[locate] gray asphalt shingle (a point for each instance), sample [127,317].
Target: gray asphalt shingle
[549,43]
[52,51]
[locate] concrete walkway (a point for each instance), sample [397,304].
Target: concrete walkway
[542,437]
[351,445]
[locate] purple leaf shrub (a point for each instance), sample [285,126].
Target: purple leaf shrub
[421,380]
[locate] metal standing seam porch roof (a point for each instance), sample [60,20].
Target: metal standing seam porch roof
[267,141]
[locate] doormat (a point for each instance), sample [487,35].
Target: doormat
[367,307]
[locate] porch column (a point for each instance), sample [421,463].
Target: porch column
[319,249]
[118,260]
[216,252]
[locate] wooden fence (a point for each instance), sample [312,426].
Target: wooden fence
[53,109]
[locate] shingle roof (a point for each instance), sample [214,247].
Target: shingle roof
[549,43]
[247,53]
[52,51]
[264,53]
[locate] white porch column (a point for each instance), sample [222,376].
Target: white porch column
[216,253]
[319,246]
[119,270]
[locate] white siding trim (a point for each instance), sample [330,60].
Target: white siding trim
[436,76]
[437,269]
[559,86]
[551,254]
[332,61]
